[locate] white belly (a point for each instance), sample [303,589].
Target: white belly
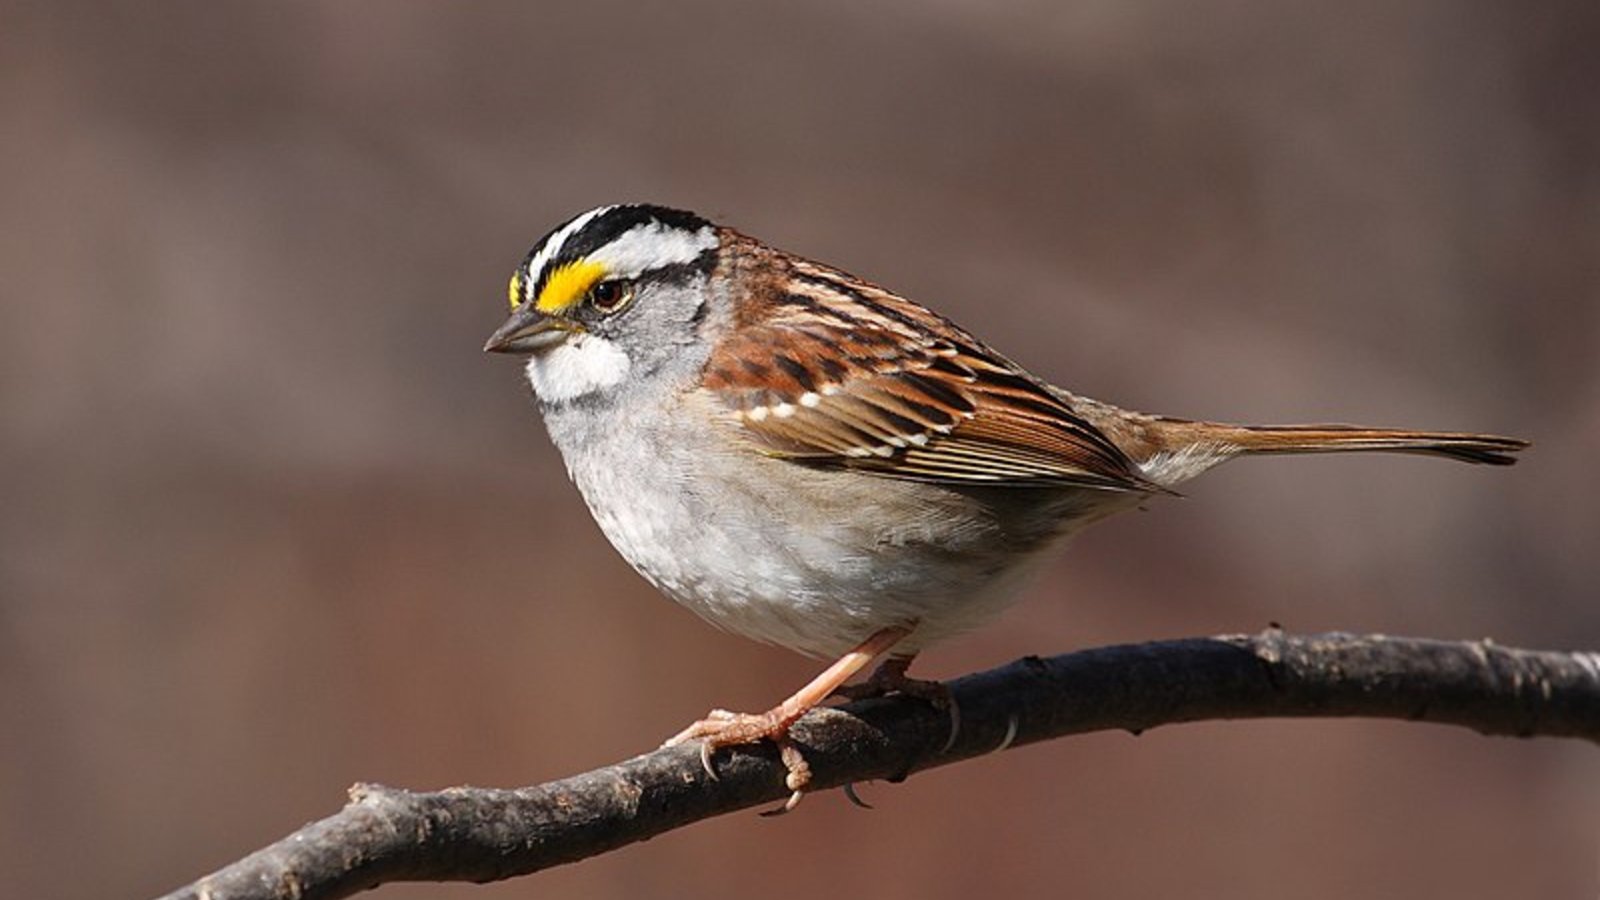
[817,560]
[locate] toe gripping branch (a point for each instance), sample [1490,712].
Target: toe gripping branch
[721,728]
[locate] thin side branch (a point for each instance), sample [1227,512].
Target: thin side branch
[470,834]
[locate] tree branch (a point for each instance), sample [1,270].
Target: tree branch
[470,834]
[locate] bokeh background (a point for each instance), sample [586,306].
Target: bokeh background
[270,523]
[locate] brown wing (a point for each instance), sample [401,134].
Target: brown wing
[844,373]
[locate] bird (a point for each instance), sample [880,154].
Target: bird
[807,459]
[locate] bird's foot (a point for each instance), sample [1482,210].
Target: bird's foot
[721,728]
[890,678]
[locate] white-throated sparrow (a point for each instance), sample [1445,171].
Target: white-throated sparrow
[809,460]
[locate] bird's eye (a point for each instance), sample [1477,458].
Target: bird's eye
[610,296]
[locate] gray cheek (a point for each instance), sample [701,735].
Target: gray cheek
[661,333]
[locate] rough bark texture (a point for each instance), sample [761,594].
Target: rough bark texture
[472,834]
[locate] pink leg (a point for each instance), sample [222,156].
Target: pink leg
[725,729]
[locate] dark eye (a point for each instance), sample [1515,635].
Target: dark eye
[610,296]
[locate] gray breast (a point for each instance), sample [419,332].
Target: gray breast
[808,558]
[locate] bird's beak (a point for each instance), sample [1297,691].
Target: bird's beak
[529,331]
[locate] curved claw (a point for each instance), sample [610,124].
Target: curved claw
[706,751]
[855,799]
[954,708]
[1011,733]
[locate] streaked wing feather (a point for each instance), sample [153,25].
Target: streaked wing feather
[844,373]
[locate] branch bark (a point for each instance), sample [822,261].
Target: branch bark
[471,834]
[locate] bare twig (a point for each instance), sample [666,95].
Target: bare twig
[470,834]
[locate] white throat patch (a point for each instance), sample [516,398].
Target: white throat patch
[582,365]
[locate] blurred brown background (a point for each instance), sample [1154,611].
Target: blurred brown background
[271,523]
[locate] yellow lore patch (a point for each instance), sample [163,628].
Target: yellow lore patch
[566,286]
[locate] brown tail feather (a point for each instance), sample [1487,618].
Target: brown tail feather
[1474,448]
[1172,451]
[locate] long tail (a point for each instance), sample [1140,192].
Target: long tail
[1171,451]
[1467,447]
